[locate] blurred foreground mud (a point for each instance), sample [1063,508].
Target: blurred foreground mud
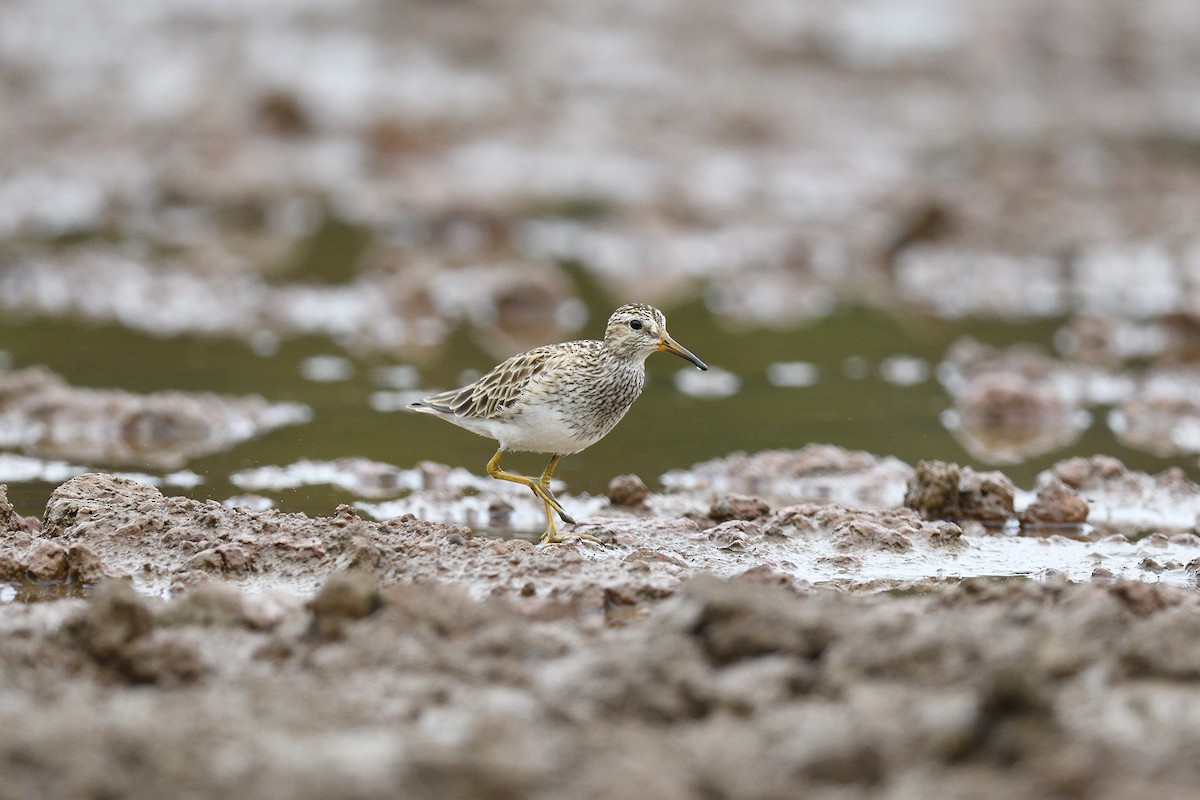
[722,644]
[731,689]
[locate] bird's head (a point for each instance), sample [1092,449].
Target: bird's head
[638,330]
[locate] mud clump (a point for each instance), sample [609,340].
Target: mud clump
[116,617]
[348,596]
[863,534]
[1056,504]
[738,506]
[628,491]
[1122,499]
[941,490]
[733,623]
[50,561]
[106,525]
[118,632]
[11,521]
[1085,473]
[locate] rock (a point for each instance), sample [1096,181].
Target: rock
[628,491]
[945,534]
[206,560]
[94,495]
[933,490]
[986,496]
[362,554]
[651,555]
[766,574]
[733,534]
[233,557]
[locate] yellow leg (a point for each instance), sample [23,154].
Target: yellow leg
[541,489]
[539,486]
[547,474]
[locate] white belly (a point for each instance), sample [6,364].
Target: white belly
[538,429]
[543,429]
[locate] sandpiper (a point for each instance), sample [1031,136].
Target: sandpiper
[560,398]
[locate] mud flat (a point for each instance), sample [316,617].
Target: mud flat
[45,416]
[719,644]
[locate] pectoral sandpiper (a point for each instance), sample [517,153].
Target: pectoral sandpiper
[560,398]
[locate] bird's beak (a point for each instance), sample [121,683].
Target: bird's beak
[669,345]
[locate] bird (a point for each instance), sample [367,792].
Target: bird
[560,398]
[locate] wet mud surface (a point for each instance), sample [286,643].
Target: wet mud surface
[718,643]
[218,220]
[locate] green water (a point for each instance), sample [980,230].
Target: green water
[666,429]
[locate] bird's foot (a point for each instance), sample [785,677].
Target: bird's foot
[554,537]
[543,493]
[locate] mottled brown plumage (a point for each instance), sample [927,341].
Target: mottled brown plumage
[494,395]
[560,398]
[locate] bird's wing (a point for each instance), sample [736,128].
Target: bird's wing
[493,394]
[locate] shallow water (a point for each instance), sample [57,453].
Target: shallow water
[29,591]
[847,401]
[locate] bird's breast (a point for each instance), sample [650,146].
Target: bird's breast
[596,406]
[572,412]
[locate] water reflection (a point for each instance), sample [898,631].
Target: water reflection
[27,591]
[795,374]
[715,382]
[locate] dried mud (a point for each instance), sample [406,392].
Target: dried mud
[749,647]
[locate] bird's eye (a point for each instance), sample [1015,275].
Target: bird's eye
[636,324]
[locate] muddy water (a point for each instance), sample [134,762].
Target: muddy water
[30,591]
